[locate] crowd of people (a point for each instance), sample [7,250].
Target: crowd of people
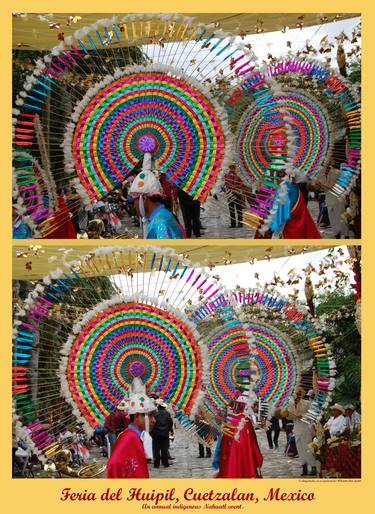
[234,456]
[237,457]
[149,206]
[72,438]
[343,422]
[138,433]
[147,200]
[293,218]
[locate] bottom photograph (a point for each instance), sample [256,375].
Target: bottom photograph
[186,361]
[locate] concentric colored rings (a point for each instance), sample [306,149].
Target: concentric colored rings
[148,111]
[276,369]
[127,340]
[228,348]
[310,130]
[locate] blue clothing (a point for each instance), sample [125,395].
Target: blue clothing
[216,459]
[135,429]
[284,210]
[20,230]
[163,225]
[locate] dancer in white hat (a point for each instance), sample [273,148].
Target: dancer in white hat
[128,458]
[147,191]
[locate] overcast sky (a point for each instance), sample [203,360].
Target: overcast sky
[274,43]
[243,274]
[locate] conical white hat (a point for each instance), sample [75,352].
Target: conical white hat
[146,183]
[138,401]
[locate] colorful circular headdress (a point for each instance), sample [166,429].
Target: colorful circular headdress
[293,139]
[307,121]
[146,110]
[137,83]
[91,326]
[261,358]
[338,90]
[275,362]
[185,127]
[229,362]
[275,350]
[119,340]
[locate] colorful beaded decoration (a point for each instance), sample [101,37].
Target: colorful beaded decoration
[311,133]
[275,363]
[152,330]
[128,340]
[340,90]
[152,112]
[302,322]
[228,356]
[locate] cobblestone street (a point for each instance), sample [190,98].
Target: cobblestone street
[217,224]
[187,464]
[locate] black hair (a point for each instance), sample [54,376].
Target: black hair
[156,199]
[131,417]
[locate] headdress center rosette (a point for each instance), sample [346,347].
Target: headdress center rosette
[309,128]
[147,109]
[119,340]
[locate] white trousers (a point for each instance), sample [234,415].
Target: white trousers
[147,444]
[305,453]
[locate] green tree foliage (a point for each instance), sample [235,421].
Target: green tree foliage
[355,72]
[342,335]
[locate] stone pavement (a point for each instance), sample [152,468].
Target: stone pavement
[187,464]
[217,224]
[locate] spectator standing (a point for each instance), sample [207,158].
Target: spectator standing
[116,422]
[273,428]
[297,407]
[353,419]
[190,209]
[160,434]
[235,188]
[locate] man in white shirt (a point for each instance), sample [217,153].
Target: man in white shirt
[297,407]
[352,418]
[67,434]
[336,424]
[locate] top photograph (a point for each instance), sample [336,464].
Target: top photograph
[176,126]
